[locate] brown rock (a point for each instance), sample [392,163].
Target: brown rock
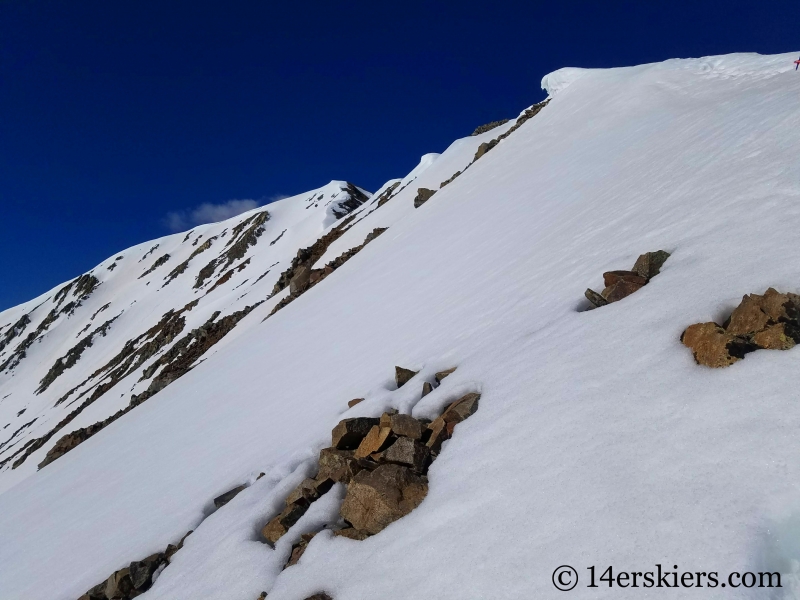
[621,289]
[299,548]
[119,584]
[423,195]
[347,435]
[484,148]
[337,465]
[377,498]
[427,388]
[612,277]
[402,376]
[462,408]
[141,572]
[277,527]
[712,346]
[300,281]
[223,499]
[374,441]
[438,434]
[774,338]
[649,264]
[596,299]
[442,374]
[747,317]
[352,533]
[409,453]
[305,493]
[354,401]
[404,425]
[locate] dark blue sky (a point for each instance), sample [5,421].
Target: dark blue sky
[114,114]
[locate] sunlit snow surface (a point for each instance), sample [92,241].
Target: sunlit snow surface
[598,440]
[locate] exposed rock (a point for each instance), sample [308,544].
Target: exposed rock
[299,282]
[375,441]
[223,499]
[354,401]
[352,533]
[337,465]
[769,322]
[403,425]
[442,374]
[423,195]
[462,408]
[377,498]
[118,585]
[612,277]
[427,388]
[484,148]
[299,548]
[488,127]
[449,179]
[387,194]
[621,289]
[277,527]
[596,299]
[409,453]
[347,435]
[437,436]
[620,284]
[160,261]
[649,264]
[402,376]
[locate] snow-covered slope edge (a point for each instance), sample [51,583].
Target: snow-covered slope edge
[594,426]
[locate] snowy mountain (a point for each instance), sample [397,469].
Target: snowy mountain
[222,358]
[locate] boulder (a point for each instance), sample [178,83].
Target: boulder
[774,337]
[423,195]
[337,465]
[404,425]
[410,453]
[621,289]
[649,264]
[596,299]
[354,401]
[402,376]
[612,277]
[223,499]
[427,388]
[747,317]
[462,408]
[377,498]
[300,281]
[347,435]
[442,374]
[712,345]
[374,441]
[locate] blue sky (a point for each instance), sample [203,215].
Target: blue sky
[120,120]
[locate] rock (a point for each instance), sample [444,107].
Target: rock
[262,596]
[354,401]
[410,453]
[649,264]
[774,337]
[442,374]
[747,317]
[119,584]
[423,195]
[277,527]
[142,571]
[352,533]
[377,498]
[596,299]
[299,548]
[404,425]
[484,148]
[374,441]
[305,493]
[437,436]
[427,388]
[347,435]
[337,465]
[488,127]
[98,592]
[320,596]
[223,499]
[711,345]
[300,281]
[462,408]
[402,376]
[621,289]
[612,277]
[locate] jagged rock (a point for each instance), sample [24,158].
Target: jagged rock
[427,388]
[305,493]
[402,376]
[300,281]
[277,527]
[596,299]
[484,148]
[410,453]
[374,441]
[423,195]
[299,548]
[347,435]
[442,374]
[352,533]
[488,127]
[437,436]
[621,289]
[649,264]
[223,499]
[775,337]
[612,277]
[462,408]
[354,401]
[377,498]
[119,584]
[710,344]
[141,572]
[403,425]
[337,465]
[262,596]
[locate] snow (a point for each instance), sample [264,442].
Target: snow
[598,440]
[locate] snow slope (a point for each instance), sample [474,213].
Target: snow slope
[598,442]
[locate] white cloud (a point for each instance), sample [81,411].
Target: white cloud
[209,213]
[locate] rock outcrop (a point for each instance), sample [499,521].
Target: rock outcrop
[620,284]
[423,195]
[768,322]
